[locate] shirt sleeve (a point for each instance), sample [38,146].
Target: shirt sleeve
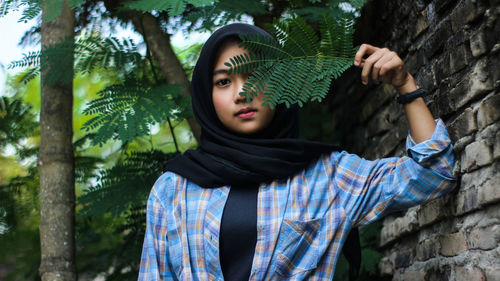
[154,258]
[371,189]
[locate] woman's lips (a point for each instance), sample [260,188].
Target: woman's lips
[246,114]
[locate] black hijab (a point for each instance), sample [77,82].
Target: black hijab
[226,158]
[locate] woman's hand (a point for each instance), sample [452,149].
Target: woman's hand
[383,65]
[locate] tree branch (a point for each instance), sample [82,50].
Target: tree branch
[159,43]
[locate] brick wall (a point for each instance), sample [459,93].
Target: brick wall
[452,48]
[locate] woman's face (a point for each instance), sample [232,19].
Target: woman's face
[233,110]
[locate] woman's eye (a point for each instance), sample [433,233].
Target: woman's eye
[222,82]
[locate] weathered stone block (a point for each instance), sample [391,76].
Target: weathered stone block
[437,273]
[492,273]
[375,100]
[489,191]
[415,61]
[427,249]
[388,142]
[403,257]
[469,274]
[463,125]
[443,5]
[425,78]
[380,123]
[471,86]
[396,227]
[476,154]
[435,42]
[489,111]
[460,144]
[422,23]
[488,133]
[466,201]
[432,212]
[485,238]
[458,58]
[478,177]
[386,267]
[478,44]
[413,274]
[453,244]
[465,12]
[496,146]
[441,67]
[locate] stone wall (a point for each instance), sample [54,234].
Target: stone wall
[452,48]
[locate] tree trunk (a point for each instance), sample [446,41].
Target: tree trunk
[159,43]
[55,159]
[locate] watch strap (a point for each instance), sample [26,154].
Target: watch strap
[410,96]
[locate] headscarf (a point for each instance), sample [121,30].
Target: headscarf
[226,158]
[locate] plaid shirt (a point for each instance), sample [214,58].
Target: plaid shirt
[302,222]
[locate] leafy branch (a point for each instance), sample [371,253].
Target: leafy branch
[298,66]
[173,7]
[125,111]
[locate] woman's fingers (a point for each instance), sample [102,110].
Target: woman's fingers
[364,49]
[368,64]
[380,67]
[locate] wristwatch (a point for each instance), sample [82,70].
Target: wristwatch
[409,97]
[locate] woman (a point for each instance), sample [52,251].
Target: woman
[253,202]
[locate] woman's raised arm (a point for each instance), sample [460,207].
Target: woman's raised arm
[384,65]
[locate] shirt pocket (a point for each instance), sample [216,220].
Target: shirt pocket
[297,247]
[175,248]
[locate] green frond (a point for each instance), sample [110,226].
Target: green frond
[29,60]
[220,13]
[31,12]
[298,66]
[125,185]
[94,52]
[85,168]
[11,5]
[30,74]
[16,122]
[90,53]
[173,7]
[126,111]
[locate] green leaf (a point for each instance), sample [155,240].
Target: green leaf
[126,111]
[298,66]
[174,7]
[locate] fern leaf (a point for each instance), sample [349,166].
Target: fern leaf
[173,7]
[125,185]
[94,52]
[126,111]
[298,66]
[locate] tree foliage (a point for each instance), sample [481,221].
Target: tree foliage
[126,111]
[174,7]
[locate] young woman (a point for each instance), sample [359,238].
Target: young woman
[253,202]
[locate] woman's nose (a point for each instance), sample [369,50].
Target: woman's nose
[237,90]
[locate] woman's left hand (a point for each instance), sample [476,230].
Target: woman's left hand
[382,65]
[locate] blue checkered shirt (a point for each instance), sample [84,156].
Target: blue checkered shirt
[302,222]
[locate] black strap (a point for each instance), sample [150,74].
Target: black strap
[409,97]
